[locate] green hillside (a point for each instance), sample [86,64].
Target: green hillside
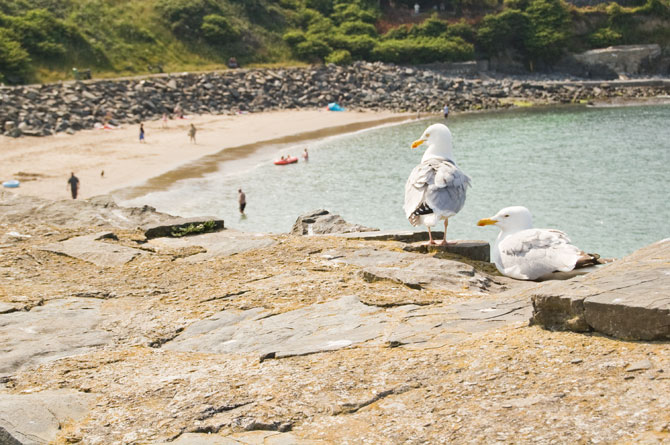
[42,40]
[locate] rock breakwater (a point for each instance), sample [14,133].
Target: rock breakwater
[67,107]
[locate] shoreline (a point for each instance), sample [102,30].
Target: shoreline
[248,154]
[43,164]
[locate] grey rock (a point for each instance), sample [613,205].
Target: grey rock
[642,365]
[372,86]
[342,323]
[626,299]
[320,222]
[405,236]
[36,418]
[87,248]
[316,328]
[6,308]
[99,211]
[475,250]
[417,271]
[7,439]
[167,229]
[60,328]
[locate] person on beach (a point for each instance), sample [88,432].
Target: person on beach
[242,200]
[305,155]
[191,133]
[165,118]
[446,111]
[73,183]
[178,112]
[141,132]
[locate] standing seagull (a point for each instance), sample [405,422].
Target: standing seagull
[525,253]
[436,187]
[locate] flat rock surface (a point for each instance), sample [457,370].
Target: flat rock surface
[89,248]
[342,323]
[99,211]
[418,271]
[38,418]
[216,244]
[58,329]
[627,299]
[171,348]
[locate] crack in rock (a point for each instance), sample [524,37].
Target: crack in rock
[210,411]
[350,408]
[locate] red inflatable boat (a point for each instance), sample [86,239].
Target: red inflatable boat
[286,161]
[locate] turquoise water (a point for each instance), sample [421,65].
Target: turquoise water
[599,174]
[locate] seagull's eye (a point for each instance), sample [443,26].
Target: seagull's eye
[427,135]
[506,216]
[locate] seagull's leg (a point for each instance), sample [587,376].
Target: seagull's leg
[444,241]
[430,236]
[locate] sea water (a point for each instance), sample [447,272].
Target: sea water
[599,174]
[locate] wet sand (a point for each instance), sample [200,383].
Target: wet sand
[131,168]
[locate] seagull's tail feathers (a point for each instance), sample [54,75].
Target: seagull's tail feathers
[590,259]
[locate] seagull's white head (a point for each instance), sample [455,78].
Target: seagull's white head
[510,219]
[438,139]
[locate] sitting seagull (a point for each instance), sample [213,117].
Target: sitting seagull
[525,253]
[436,187]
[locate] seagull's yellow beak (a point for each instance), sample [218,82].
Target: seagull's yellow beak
[486,222]
[417,143]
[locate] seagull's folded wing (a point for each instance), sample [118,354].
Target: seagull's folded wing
[536,252]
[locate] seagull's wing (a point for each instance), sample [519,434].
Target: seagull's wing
[435,186]
[530,254]
[446,195]
[415,189]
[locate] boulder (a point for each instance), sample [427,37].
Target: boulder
[627,299]
[183,226]
[322,222]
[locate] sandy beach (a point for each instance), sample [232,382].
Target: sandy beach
[43,165]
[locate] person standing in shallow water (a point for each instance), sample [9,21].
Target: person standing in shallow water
[242,200]
[73,183]
[446,111]
[191,133]
[141,132]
